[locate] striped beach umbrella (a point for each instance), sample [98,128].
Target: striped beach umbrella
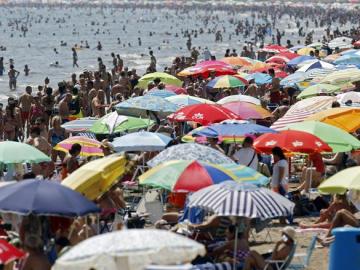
[225,81]
[241,200]
[247,175]
[89,147]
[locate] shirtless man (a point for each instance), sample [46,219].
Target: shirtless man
[64,110]
[39,141]
[13,74]
[98,82]
[97,104]
[25,102]
[116,89]
[124,84]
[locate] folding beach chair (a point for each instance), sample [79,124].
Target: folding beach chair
[281,265]
[258,225]
[304,258]
[151,204]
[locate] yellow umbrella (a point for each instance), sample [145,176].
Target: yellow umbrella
[98,176]
[305,51]
[342,76]
[347,119]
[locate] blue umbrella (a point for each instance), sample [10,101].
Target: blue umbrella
[260,78]
[141,141]
[293,79]
[297,60]
[232,130]
[42,197]
[348,59]
[160,93]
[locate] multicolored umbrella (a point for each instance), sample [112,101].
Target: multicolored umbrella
[342,181]
[89,147]
[347,119]
[185,176]
[186,100]
[336,138]
[293,79]
[225,81]
[247,110]
[203,114]
[300,59]
[291,141]
[237,61]
[235,98]
[164,77]
[123,125]
[190,151]
[16,152]
[247,175]
[319,89]
[311,64]
[160,93]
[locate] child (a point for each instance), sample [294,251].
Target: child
[26,70]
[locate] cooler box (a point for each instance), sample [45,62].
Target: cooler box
[345,250]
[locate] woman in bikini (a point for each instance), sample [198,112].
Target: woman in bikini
[9,123]
[36,110]
[56,134]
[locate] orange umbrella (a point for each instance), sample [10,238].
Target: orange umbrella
[237,61]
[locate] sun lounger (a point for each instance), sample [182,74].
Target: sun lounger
[304,259]
[281,265]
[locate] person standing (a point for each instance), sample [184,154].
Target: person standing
[247,155]
[279,179]
[13,74]
[75,58]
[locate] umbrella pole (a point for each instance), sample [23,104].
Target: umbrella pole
[311,173]
[236,244]
[86,227]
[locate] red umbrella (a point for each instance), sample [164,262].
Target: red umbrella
[203,114]
[282,57]
[9,253]
[291,141]
[213,63]
[356,44]
[274,48]
[176,89]
[241,79]
[205,71]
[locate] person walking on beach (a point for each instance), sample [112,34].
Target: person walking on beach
[13,74]
[75,58]
[2,69]
[25,102]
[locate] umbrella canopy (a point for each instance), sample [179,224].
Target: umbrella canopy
[342,181]
[131,250]
[9,253]
[16,152]
[242,200]
[205,68]
[300,59]
[347,119]
[348,59]
[336,138]
[203,114]
[160,93]
[79,125]
[237,61]
[141,141]
[179,175]
[148,103]
[190,151]
[311,64]
[244,98]
[119,124]
[232,132]
[96,177]
[89,147]
[260,78]
[176,89]
[319,89]
[342,76]
[291,141]
[293,79]
[305,51]
[42,197]
[164,77]
[186,100]
[274,48]
[296,48]
[247,110]
[212,63]
[246,175]
[225,81]
[341,43]
[353,96]
[283,57]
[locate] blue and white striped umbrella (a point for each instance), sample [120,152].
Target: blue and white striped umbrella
[293,79]
[160,93]
[241,200]
[141,141]
[148,103]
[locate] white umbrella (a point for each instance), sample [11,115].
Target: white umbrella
[353,96]
[130,250]
[244,98]
[112,120]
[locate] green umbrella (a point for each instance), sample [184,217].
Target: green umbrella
[164,77]
[110,124]
[16,152]
[336,138]
[318,89]
[342,181]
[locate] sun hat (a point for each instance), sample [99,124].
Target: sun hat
[289,231]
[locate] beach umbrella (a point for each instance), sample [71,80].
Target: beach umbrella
[176,89]
[160,93]
[241,78]
[203,114]
[319,89]
[331,57]
[186,100]
[296,48]
[141,141]
[41,197]
[204,71]
[259,78]
[305,51]
[225,81]
[247,175]
[291,141]
[241,200]
[347,119]
[164,77]
[336,138]
[317,74]
[79,125]
[131,250]
[185,175]
[16,152]
[282,58]
[119,124]
[316,45]
[348,59]
[300,59]
[89,147]
[96,177]
[9,253]
[235,98]
[293,79]
[237,61]
[273,48]
[143,104]
[341,43]
[342,76]
[231,132]
[348,179]
[190,151]
[353,96]
[212,63]
[247,110]
[311,64]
